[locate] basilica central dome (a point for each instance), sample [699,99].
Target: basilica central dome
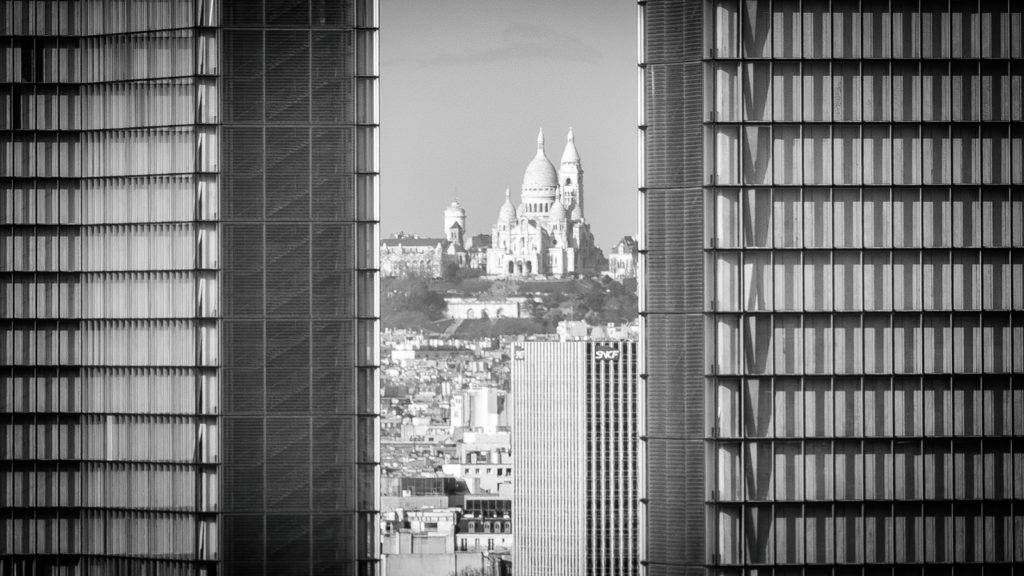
[540,179]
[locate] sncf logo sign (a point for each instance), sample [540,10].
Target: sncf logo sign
[606,354]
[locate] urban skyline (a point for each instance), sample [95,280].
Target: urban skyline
[831,302]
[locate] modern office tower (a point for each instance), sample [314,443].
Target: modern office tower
[833,303]
[188,254]
[574,436]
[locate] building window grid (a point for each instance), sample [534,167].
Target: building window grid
[164,518]
[1000,445]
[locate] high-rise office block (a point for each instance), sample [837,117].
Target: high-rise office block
[833,225]
[574,436]
[188,254]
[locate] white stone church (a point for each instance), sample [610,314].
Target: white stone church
[547,235]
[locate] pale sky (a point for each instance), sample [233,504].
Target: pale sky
[465,84]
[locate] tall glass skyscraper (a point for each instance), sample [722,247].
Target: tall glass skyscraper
[188,262]
[833,294]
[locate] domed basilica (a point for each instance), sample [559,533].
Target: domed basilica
[547,235]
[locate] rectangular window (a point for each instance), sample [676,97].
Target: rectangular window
[727,281]
[818,281]
[757,155]
[757,344]
[878,281]
[726,28]
[786,81]
[966,218]
[789,474]
[877,154]
[906,92]
[847,273]
[849,470]
[936,163]
[787,149]
[847,161]
[967,286]
[906,217]
[727,91]
[906,30]
[995,154]
[846,29]
[757,279]
[757,218]
[877,344]
[846,92]
[938,407]
[757,473]
[906,286]
[726,219]
[757,29]
[817,155]
[758,408]
[817,41]
[820,530]
[907,339]
[817,344]
[726,154]
[877,91]
[937,336]
[849,410]
[788,284]
[967,343]
[788,215]
[996,282]
[937,280]
[818,405]
[877,31]
[817,96]
[936,91]
[757,92]
[908,406]
[935,31]
[788,343]
[846,208]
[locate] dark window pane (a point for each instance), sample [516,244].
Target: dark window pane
[288,174]
[287,76]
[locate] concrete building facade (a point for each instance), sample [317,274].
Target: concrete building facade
[575,436]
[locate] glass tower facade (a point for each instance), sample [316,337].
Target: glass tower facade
[189,316]
[833,225]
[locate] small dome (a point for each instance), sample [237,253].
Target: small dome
[540,178]
[557,211]
[570,155]
[455,209]
[577,212]
[507,213]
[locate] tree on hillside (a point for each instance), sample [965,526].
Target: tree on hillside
[505,288]
[451,273]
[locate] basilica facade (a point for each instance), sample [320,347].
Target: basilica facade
[547,234]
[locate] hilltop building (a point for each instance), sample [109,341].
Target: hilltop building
[547,235]
[622,260]
[405,255]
